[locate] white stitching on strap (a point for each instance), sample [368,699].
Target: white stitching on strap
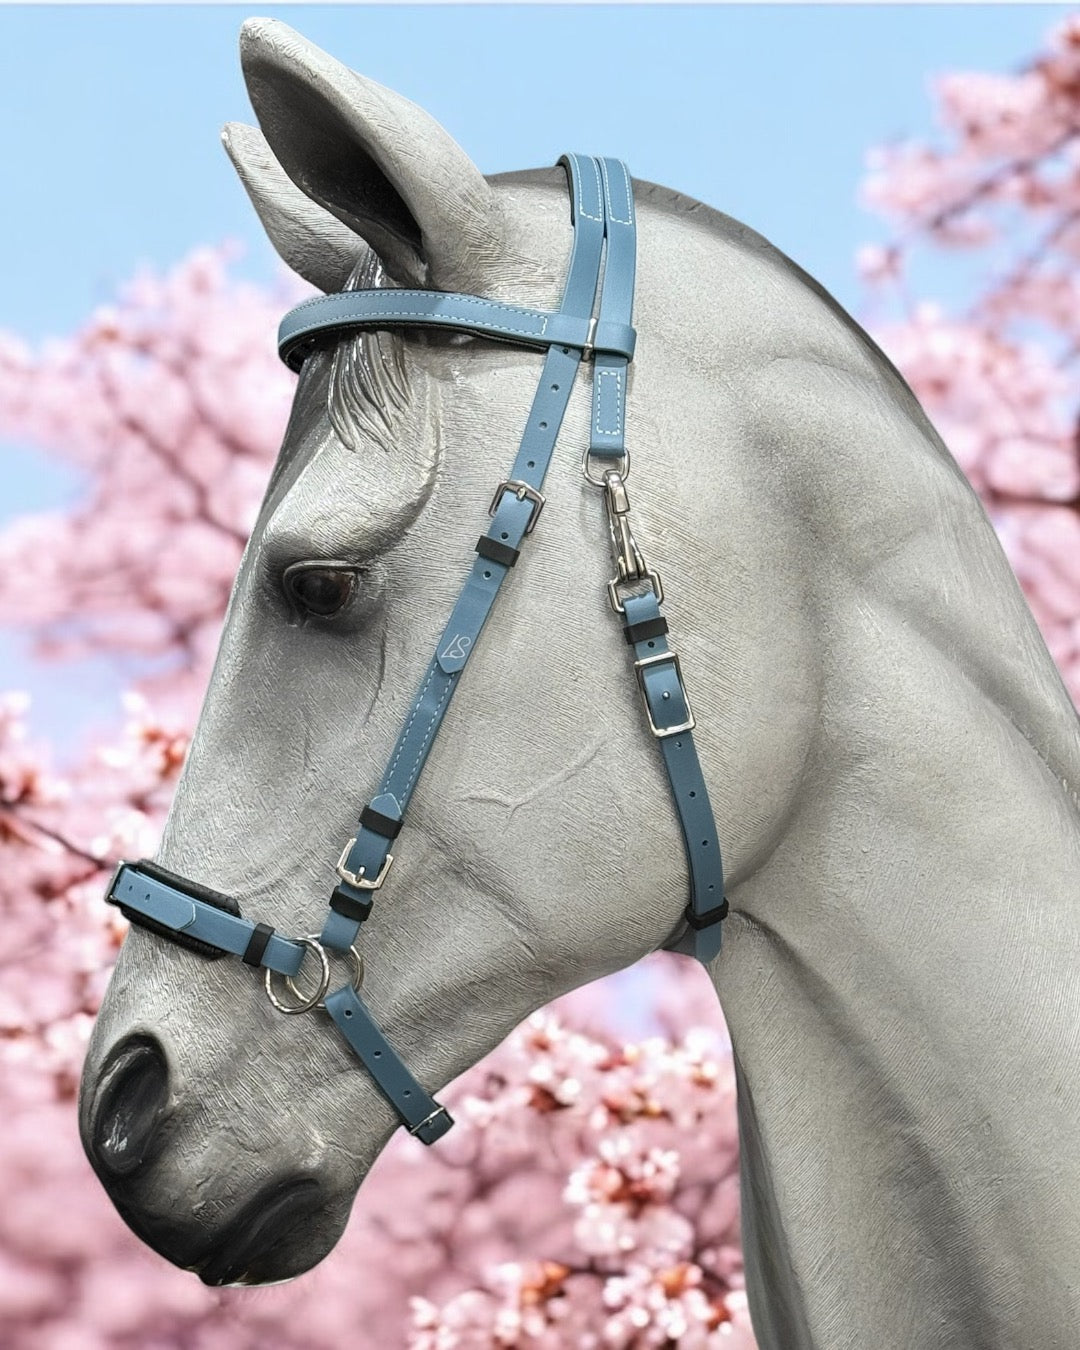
[616,375]
[406,295]
[580,207]
[629,220]
[405,733]
[429,734]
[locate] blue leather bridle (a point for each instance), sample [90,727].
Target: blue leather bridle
[602,209]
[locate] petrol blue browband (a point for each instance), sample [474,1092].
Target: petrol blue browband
[602,209]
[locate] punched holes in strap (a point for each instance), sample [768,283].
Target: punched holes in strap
[225,903]
[658,672]
[416,1108]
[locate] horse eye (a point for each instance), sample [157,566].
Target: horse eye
[323,591]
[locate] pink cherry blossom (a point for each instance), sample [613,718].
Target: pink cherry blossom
[589,1195]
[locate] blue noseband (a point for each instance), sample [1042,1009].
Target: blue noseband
[602,208]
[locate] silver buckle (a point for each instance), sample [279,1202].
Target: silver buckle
[439,1111]
[639,666]
[521,491]
[358,879]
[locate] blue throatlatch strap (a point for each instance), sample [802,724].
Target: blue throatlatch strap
[668,708]
[601,209]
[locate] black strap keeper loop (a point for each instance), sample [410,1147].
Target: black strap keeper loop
[710,916]
[387,826]
[261,935]
[497,551]
[352,906]
[647,628]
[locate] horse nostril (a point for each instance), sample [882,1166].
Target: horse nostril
[129,1104]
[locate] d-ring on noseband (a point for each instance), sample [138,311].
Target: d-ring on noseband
[602,208]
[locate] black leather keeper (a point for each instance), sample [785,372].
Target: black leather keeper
[710,916]
[350,905]
[497,551]
[253,953]
[647,628]
[387,826]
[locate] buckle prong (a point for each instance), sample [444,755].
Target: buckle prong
[358,879]
[439,1111]
[520,490]
[589,350]
[639,667]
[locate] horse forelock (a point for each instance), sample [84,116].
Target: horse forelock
[369,380]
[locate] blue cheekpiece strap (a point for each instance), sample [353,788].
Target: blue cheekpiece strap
[515,509]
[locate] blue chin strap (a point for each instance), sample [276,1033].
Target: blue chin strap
[204,921]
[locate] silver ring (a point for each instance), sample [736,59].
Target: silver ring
[314,1000]
[357,975]
[599,482]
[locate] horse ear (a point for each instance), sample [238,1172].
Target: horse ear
[313,243]
[374,160]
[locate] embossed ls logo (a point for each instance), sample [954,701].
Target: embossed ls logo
[457,648]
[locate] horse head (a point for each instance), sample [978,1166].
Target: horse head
[882,734]
[540,852]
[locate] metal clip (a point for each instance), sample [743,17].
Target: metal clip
[629,562]
[624,547]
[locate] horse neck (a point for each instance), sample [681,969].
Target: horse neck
[899,972]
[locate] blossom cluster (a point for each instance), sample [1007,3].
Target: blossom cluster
[589,1195]
[1000,380]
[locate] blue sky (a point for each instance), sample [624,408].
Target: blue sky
[110,122]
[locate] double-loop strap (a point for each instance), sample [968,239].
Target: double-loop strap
[601,209]
[607,428]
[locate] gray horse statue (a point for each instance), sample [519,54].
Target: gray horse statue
[890,754]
